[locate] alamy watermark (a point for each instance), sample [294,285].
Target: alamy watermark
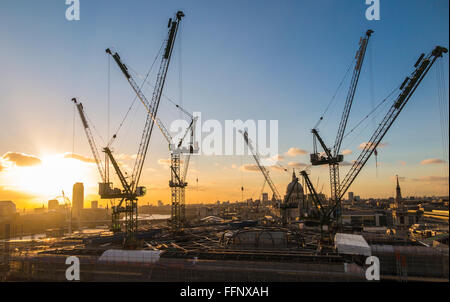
[73,271]
[211,137]
[73,11]
[373,271]
[373,11]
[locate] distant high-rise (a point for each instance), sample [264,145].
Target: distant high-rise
[265,198]
[398,193]
[94,204]
[351,198]
[77,199]
[53,204]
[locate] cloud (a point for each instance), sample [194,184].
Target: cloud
[278,157]
[346,163]
[402,162]
[430,179]
[431,161]
[21,159]
[346,152]
[164,162]
[10,193]
[370,144]
[249,168]
[277,168]
[296,151]
[400,178]
[79,157]
[123,156]
[297,165]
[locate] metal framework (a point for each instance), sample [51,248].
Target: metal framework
[177,182]
[333,159]
[407,88]
[282,204]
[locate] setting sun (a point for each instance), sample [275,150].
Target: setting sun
[54,174]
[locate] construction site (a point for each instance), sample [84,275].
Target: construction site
[301,235]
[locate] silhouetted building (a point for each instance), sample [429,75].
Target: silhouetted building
[7,208]
[398,193]
[77,199]
[94,204]
[295,195]
[351,197]
[53,204]
[265,198]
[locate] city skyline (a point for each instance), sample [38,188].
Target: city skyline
[291,77]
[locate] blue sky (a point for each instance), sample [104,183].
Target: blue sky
[278,60]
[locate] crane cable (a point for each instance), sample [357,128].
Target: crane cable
[135,97]
[371,112]
[335,94]
[372,100]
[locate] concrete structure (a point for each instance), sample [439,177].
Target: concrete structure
[351,244]
[94,204]
[77,199]
[351,197]
[7,208]
[53,204]
[265,198]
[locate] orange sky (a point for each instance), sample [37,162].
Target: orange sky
[31,180]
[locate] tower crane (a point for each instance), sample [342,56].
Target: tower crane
[283,205]
[407,89]
[130,189]
[177,182]
[333,158]
[106,191]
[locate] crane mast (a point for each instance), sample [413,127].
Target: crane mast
[153,105]
[90,138]
[260,166]
[177,182]
[283,205]
[333,158]
[407,88]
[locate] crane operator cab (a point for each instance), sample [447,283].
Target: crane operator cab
[141,191]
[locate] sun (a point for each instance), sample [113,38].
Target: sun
[54,175]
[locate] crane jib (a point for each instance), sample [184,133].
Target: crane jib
[170,40]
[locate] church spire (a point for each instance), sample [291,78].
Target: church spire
[398,195]
[294,177]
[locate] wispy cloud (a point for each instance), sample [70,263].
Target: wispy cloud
[297,165]
[346,163]
[431,161]
[394,178]
[21,159]
[431,179]
[79,157]
[249,168]
[123,156]
[164,162]
[371,145]
[295,152]
[346,152]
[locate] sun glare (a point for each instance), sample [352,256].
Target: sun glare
[53,175]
